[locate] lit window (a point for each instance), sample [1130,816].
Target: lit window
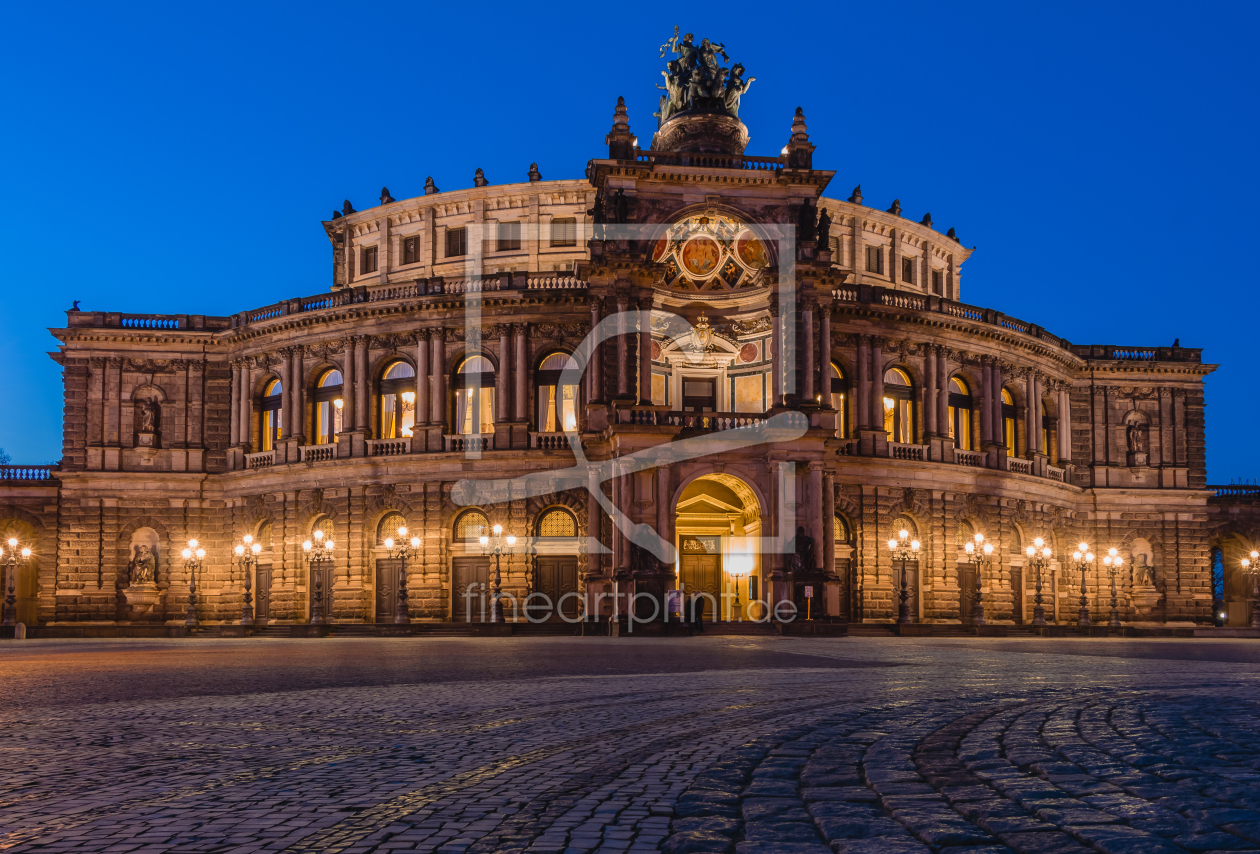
[388,527]
[557,523]
[328,407]
[960,413]
[557,403]
[398,400]
[840,530]
[271,416]
[1008,422]
[839,394]
[474,396]
[898,406]
[471,525]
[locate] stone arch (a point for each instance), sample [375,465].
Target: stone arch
[745,487]
[756,226]
[574,503]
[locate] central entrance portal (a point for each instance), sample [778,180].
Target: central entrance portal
[700,570]
[718,526]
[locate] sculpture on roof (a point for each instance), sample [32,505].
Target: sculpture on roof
[697,80]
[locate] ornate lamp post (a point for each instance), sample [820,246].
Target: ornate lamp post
[16,556]
[1038,559]
[1083,557]
[193,556]
[317,554]
[247,555]
[502,545]
[1250,565]
[905,550]
[979,555]
[401,551]
[1113,562]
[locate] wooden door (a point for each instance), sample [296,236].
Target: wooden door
[967,593]
[326,579]
[470,590]
[262,595]
[556,576]
[386,590]
[702,573]
[26,589]
[1017,592]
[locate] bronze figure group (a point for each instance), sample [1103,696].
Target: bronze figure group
[696,80]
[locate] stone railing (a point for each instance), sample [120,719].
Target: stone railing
[550,441]
[555,282]
[474,442]
[711,161]
[1019,466]
[388,447]
[904,451]
[968,458]
[26,474]
[1138,354]
[712,422]
[260,460]
[317,453]
[148,322]
[1055,473]
[1236,492]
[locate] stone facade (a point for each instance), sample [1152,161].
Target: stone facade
[917,407]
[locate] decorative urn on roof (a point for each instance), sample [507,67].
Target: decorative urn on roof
[699,110]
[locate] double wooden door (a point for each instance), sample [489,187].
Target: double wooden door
[967,592]
[387,590]
[470,590]
[554,577]
[702,573]
[262,596]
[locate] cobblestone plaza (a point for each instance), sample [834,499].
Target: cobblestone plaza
[756,744]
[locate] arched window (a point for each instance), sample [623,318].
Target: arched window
[905,523]
[839,395]
[389,526]
[474,396]
[328,403]
[557,404]
[266,536]
[1008,422]
[398,400]
[964,534]
[327,526]
[840,530]
[898,406]
[270,416]
[1045,429]
[471,525]
[1218,583]
[960,413]
[557,523]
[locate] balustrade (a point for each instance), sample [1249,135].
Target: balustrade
[388,447]
[902,451]
[969,458]
[474,442]
[9,474]
[317,453]
[550,441]
[260,460]
[1019,466]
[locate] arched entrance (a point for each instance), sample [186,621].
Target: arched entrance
[717,526]
[1233,586]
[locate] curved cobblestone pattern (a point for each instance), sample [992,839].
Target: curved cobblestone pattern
[889,747]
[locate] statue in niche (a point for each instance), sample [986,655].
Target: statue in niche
[803,559]
[1137,435]
[143,567]
[147,411]
[1143,571]
[807,223]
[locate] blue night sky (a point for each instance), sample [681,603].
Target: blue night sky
[179,157]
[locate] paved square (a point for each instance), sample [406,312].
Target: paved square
[557,744]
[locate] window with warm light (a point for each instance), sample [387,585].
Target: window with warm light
[557,403]
[839,397]
[1045,429]
[471,525]
[270,416]
[840,530]
[265,536]
[328,407]
[389,525]
[557,523]
[960,413]
[1008,422]
[474,396]
[898,406]
[398,400]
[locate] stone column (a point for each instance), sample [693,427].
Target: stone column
[986,405]
[816,504]
[348,379]
[828,522]
[234,420]
[645,351]
[247,404]
[595,368]
[776,353]
[594,518]
[437,369]
[862,384]
[361,381]
[942,395]
[929,399]
[298,430]
[623,345]
[1065,424]
[877,383]
[663,514]
[520,412]
[807,327]
[824,353]
[422,385]
[502,405]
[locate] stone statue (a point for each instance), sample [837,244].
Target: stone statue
[824,230]
[1136,435]
[143,566]
[534,174]
[347,208]
[479,178]
[621,207]
[806,222]
[148,416]
[803,558]
[1145,572]
[429,187]
[895,210]
[386,198]
[75,307]
[736,86]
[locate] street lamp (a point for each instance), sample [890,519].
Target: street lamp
[1250,565]
[905,550]
[980,555]
[17,555]
[317,554]
[403,550]
[1083,557]
[193,556]
[247,552]
[1039,559]
[1113,562]
[501,546]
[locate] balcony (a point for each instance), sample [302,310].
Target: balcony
[471,442]
[389,447]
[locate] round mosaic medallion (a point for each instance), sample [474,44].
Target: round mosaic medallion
[748,353]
